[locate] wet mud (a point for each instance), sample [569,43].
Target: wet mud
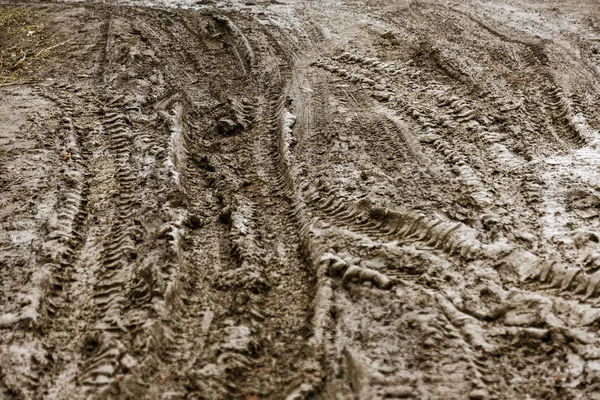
[300,200]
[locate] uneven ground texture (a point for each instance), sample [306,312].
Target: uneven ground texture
[300,200]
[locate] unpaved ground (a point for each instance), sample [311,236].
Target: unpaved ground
[300,200]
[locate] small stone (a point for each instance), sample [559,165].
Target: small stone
[381,95]
[403,392]
[478,394]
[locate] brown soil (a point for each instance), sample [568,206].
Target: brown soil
[300,200]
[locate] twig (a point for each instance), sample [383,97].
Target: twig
[51,47]
[20,82]
[38,53]
[19,62]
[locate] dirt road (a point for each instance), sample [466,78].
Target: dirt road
[300,200]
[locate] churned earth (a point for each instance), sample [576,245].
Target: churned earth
[382,199]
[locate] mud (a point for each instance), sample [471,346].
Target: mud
[300,200]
